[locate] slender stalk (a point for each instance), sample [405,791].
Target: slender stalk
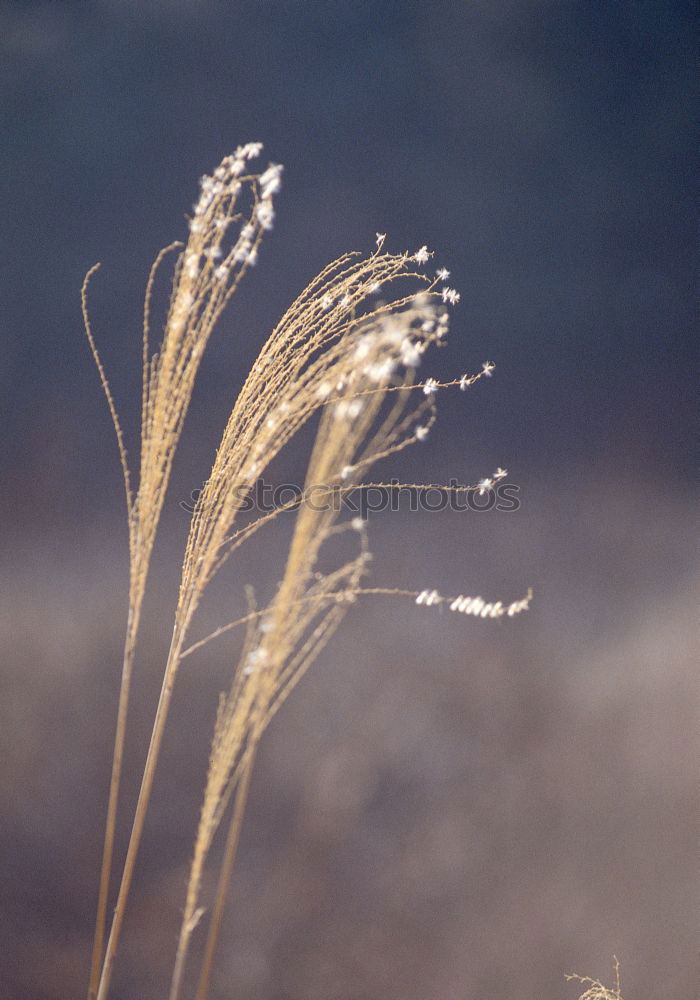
[140,813]
[132,627]
[224,878]
[115,780]
[322,346]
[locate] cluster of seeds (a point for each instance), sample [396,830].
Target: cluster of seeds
[475,606]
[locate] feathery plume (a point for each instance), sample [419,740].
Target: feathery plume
[284,641]
[596,990]
[207,272]
[329,350]
[338,349]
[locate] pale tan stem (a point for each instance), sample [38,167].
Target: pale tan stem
[140,813]
[225,877]
[115,780]
[190,919]
[188,925]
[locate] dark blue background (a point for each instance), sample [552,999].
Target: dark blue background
[543,149]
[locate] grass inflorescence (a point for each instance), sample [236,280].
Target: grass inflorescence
[347,351]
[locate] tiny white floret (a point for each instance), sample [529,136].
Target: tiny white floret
[265,213]
[422,256]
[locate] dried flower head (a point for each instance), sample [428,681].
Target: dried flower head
[285,638]
[338,352]
[226,227]
[595,989]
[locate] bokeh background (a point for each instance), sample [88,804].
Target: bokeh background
[446,809]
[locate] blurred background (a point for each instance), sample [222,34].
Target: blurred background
[446,809]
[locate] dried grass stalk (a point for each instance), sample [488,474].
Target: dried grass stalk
[233,210]
[311,360]
[285,639]
[340,349]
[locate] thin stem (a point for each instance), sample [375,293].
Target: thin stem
[188,926]
[225,877]
[339,596]
[111,822]
[106,389]
[127,666]
[140,813]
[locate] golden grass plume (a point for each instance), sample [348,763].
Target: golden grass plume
[348,348]
[233,210]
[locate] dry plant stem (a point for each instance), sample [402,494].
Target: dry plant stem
[110,825]
[344,596]
[203,547]
[321,348]
[358,362]
[139,816]
[306,610]
[224,882]
[192,913]
[201,288]
[125,684]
